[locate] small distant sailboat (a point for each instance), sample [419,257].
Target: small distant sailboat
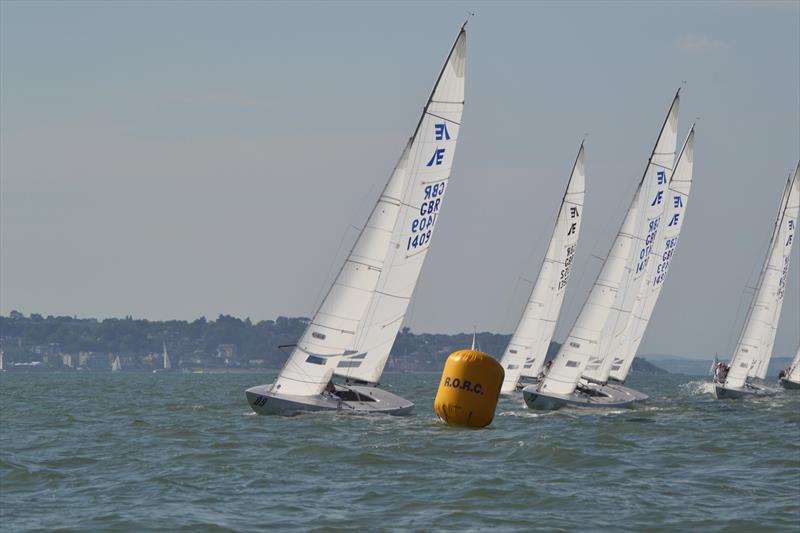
[167,364]
[754,347]
[524,356]
[791,376]
[578,374]
[2,362]
[352,332]
[116,366]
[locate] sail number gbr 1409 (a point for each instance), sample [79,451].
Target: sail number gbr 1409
[422,226]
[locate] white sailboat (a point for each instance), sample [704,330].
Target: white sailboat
[116,366]
[524,356]
[754,347]
[167,364]
[624,350]
[606,311]
[791,376]
[351,334]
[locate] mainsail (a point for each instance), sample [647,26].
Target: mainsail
[525,353]
[754,347]
[429,164]
[591,335]
[677,199]
[167,364]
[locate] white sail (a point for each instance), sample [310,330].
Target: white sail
[677,199]
[598,320]
[167,364]
[430,162]
[754,347]
[794,368]
[525,353]
[643,238]
[333,328]
[116,366]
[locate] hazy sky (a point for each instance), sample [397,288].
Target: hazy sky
[172,160]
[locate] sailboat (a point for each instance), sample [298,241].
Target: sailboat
[338,361]
[791,376]
[524,356]
[624,349]
[167,364]
[575,377]
[116,366]
[754,347]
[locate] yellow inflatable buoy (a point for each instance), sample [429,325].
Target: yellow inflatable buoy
[469,389]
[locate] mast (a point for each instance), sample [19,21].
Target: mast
[526,350]
[590,335]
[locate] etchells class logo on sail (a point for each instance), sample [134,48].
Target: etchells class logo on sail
[422,226]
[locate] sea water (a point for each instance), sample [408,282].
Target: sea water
[184,452]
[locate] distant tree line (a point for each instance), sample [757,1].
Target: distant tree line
[254,342]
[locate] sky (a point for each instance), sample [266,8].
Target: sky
[183,159]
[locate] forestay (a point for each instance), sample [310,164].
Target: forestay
[333,328]
[677,200]
[526,351]
[430,162]
[584,340]
[642,241]
[754,347]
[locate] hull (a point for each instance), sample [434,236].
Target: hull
[787,383]
[347,399]
[591,396]
[748,391]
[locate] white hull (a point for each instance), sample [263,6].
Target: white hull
[590,396]
[348,399]
[749,390]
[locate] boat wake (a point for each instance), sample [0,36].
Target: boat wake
[696,388]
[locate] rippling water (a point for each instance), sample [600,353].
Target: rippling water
[178,452]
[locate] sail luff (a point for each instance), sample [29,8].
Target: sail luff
[583,340]
[755,342]
[662,255]
[527,348]
[430,163]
